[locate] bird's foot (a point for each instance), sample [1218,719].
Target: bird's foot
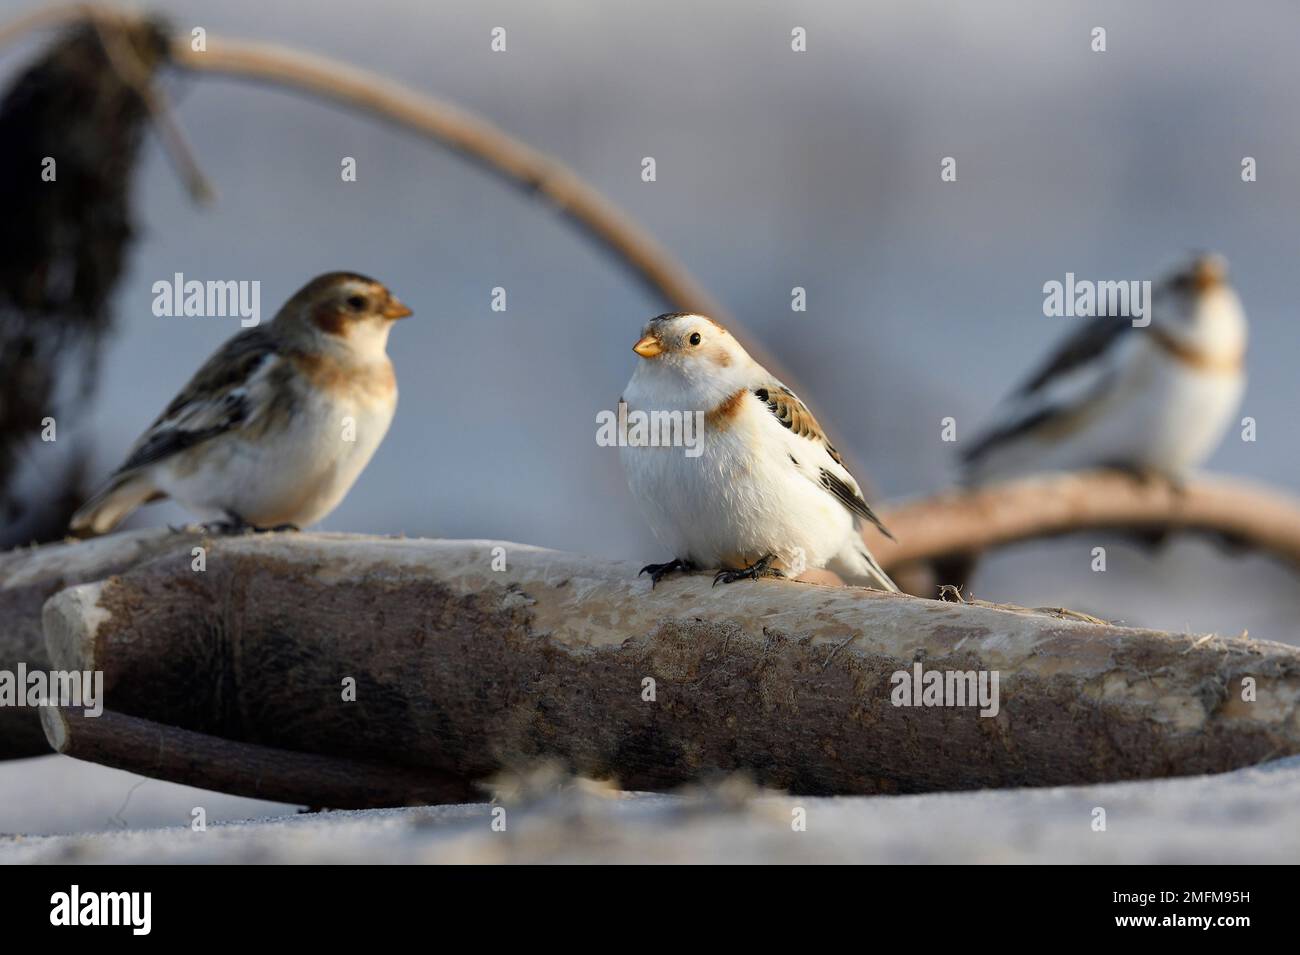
[656,571]
[760,568]
[1151,477]
[234,524]
[227,527]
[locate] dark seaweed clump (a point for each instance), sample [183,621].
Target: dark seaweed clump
[63,243]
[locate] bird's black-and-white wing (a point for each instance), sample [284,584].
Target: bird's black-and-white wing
[1076,372]
[829,471]
[225,394]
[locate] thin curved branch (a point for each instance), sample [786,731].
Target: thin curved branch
[43,18]
[472,136]
[958,522]
[140,78]
[469,135]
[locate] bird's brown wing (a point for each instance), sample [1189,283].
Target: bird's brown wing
[835,479]
[794,414]
[219,398]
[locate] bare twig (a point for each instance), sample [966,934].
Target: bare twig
[837,648]
[107,21]
[128,66]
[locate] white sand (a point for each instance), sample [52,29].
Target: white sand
[1249,816]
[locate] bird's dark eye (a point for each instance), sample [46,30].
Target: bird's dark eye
[695,338]
[357,303]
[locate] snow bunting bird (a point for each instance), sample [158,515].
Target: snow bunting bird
[767,493]
[274,429]
[1152,400]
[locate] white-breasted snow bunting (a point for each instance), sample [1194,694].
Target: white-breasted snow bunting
[277,425]
[1151,400]
[767,494]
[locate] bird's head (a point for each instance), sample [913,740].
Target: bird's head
[1202,305]
[1201,274]
[1202,278]
[696,351]
[343,309]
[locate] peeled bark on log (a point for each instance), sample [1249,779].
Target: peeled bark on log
[258,772]
[466,670]
[28,577]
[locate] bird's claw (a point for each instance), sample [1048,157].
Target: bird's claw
[656,571]
[224,528]
[237,525]
[1151,477]
[760,568]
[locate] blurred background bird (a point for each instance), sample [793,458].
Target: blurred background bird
[1152,399]
[276,426]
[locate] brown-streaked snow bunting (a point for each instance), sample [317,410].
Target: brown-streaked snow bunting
[766,494]
[276,426]
[1151,400]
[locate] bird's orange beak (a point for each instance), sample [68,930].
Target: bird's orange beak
[1209,273]
[395,309]
[648,347]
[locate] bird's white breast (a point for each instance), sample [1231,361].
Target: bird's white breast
[741,498]
[294,473]
[1156,411]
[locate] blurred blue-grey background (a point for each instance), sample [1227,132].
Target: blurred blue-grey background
[775,169]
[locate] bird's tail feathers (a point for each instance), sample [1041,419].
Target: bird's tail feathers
[122,495]
[857,567]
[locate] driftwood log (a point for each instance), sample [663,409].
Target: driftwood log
[949,523]
[464,671]
[29,577]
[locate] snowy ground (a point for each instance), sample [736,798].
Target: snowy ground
[1249,816]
